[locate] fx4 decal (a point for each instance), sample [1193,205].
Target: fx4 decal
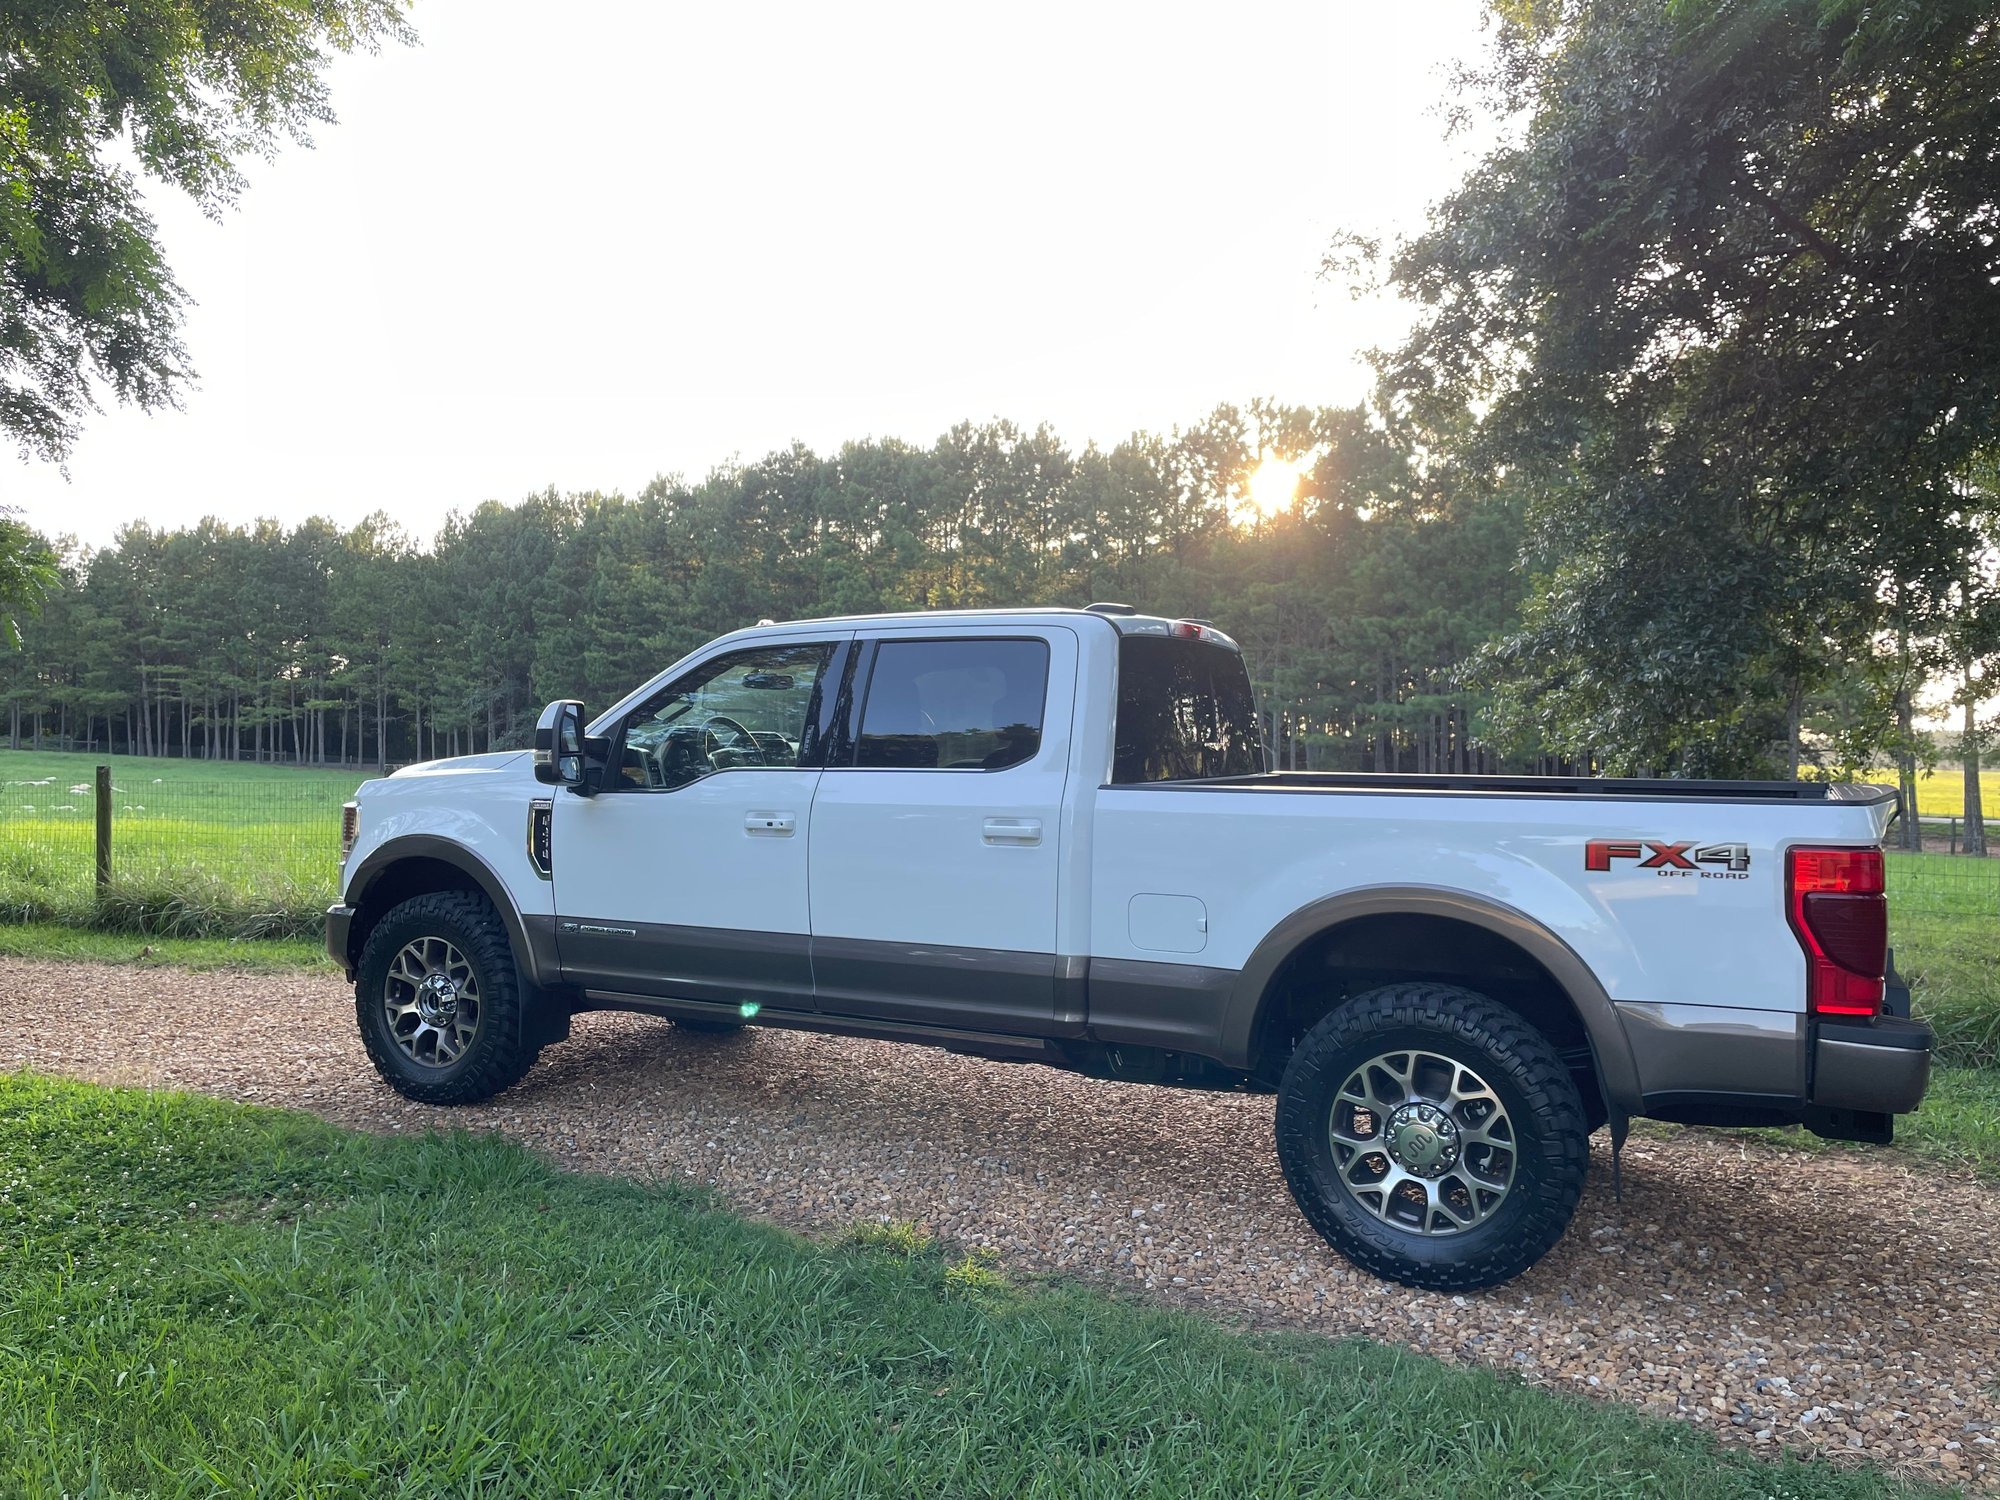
[1709,861]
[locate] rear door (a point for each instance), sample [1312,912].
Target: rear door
[937,828]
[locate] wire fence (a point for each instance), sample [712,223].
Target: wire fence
[1944,887]
[181,848]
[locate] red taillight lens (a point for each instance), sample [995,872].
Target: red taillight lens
[1835,901]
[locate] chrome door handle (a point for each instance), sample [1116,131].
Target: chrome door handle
[1022,832]
[770,825]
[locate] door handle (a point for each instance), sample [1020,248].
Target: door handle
[1022,832]
[770,825]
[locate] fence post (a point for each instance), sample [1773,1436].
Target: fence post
[103,827]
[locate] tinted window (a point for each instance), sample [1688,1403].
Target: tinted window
[1184,712]
[954,705]
[746,710]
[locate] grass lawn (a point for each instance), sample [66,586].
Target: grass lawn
[213,848]
[261,955]
[1944,922]
[1959,1123]
[65,768]
[205,1299]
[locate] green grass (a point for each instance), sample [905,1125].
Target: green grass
[1959,1123]
[47,940]
[67,768]
[1942,793]
[1957,1126]
[199,848]
[206,1299]
[1944,919]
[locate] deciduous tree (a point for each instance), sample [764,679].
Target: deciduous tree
[185,89]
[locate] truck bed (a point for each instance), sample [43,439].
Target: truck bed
[1608,788]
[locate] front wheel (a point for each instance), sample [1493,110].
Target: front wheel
[439,1002]
[1432,1136]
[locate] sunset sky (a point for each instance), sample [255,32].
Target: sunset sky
[651,239]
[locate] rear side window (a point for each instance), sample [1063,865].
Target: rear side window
[971,705]
[1185,712]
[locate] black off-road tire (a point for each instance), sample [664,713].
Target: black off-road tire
[1516,1063]
[500,1051]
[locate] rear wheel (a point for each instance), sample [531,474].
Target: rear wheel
[439,1003]
[1432,1136]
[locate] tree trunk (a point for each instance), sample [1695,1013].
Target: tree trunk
[1909,832]
[1793,712]
[1968,749]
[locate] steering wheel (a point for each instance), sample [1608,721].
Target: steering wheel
[748,743]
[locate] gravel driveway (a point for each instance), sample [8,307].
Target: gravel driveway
[1837,1302]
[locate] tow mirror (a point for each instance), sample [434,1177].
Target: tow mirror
[559,754]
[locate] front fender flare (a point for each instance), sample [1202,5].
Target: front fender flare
[533,939]
[1610,1049]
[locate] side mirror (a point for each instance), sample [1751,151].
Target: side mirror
[559,754]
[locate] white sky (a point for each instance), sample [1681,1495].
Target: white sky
[587,244]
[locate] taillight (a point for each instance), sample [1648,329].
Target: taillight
[1835,900]
[350,827]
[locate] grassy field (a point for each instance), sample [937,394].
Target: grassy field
[133,772]
[206,1299]
[198,847]
[1942,793]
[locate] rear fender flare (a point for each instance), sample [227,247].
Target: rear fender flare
[1610,1049]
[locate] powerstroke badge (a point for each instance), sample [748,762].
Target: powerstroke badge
[1708,861]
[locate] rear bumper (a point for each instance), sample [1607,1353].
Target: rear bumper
[1878,1066]
[1710,1065]
[339,922]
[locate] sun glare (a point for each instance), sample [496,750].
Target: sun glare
[1275,484]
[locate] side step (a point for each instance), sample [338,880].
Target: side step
[975,1043]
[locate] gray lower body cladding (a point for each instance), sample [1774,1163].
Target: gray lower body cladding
[1694,1063]
[1704,1064]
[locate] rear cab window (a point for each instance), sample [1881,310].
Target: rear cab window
[1185,712]
[953,705]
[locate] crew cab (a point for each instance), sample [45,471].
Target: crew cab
[1052,836]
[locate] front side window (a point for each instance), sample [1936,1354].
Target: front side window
[1185,712]
[971,705]
[748,709]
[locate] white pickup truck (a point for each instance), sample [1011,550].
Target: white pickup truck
[1050,836]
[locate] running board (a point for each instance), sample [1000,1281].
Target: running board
[952,1039]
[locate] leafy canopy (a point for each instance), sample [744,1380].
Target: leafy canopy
[1727,305]
[27,573]
[183,89]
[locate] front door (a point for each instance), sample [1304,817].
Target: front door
[686,878]
[937,826]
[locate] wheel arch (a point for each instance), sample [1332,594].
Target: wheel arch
[416,864]
[1424,932]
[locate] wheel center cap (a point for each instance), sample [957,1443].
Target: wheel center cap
[437,999]
[1423,1139]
